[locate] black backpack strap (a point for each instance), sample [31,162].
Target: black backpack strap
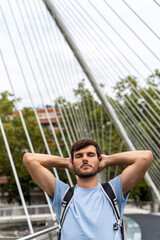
[111,196]
[67,199]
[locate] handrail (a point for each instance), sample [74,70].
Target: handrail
[37,234]
[18,210]
[8,238]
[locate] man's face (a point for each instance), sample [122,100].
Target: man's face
[86,162]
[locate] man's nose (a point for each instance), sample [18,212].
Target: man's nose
[85,157]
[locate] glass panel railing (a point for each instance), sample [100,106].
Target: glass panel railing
[133,229]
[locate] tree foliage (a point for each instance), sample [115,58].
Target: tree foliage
[144,102]
[18,146]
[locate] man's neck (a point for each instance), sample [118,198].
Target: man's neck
[90,182]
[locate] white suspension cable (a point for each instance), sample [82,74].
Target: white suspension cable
[125,23]
[156,3]
[102,128]
[57,119]
[64,108]
[116,169]
[81,117]
[138,135]
[141,19]
[16,177]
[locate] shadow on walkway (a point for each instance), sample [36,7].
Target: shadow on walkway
[149,224]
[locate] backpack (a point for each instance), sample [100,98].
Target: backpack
[111,196]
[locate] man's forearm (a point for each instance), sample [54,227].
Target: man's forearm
[45,160]
[128,158]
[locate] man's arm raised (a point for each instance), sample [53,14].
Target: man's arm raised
[37,165]
[137,164]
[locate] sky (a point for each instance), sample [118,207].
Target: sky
[34,55]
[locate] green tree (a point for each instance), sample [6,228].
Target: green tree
[131,93]
[18,145]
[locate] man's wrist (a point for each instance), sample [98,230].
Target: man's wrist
[105,160]
[67,162]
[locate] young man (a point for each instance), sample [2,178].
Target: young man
[90,215]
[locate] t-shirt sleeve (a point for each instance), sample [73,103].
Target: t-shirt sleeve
[60,189]
[116,183]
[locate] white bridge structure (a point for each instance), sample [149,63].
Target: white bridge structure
[50,46]
[15,214]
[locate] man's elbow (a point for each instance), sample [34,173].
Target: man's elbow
[27,157]
[148,157]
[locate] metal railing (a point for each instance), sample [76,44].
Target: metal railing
[19,210]
[42,232]
[8,238]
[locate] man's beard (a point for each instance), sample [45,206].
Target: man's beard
[86,174]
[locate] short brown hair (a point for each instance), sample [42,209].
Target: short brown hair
[82,143]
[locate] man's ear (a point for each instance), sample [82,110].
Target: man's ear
[71,160]
[100,158]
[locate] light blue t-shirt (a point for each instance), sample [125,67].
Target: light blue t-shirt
[90,215]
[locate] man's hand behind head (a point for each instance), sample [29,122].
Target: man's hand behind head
[102,162]
[70,165]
